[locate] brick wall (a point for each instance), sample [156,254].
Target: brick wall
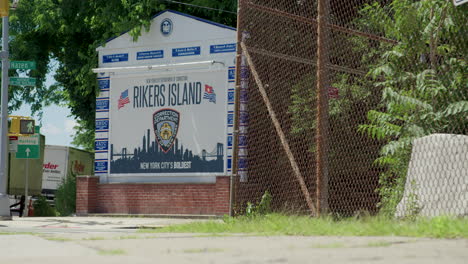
[125,198]
[86,194]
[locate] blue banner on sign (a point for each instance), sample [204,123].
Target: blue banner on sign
[101,145]
[232,74]
[242,163]
[115,58]
[189,51]
[231,97]
[104,84]
[148,55]
[102,105]
[230,141]
[242,141]
[244,118]
[230,119]
[223,48]
[229,164]
[100,166]
[244,96]
[245,73]
[102,124]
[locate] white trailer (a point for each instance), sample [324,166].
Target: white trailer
[60,162]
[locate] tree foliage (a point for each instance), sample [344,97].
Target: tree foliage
[414,88]
[424,80]
[67,33]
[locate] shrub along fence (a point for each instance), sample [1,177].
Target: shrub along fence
[349,106]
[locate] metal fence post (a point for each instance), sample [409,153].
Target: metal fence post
[322,118]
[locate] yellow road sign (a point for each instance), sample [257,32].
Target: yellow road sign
[4,7]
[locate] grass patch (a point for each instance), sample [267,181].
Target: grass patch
[276,224]
[94,238]
[17,233]
[60,239]
[112,252]
[331,245]
[379,244]
[203,250]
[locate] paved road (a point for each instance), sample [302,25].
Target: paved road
[115,240]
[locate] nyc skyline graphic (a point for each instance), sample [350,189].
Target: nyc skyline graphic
[150,158]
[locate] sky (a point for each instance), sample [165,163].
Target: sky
[57,125]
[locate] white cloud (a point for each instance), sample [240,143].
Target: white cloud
[50,129]
[69,126]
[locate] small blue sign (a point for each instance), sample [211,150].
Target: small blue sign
[149,55]
[244,96]
[102,104]
[245,73]
[242,163]
[230,119]
[232,74]
[102,124]
[189,51]
[242,140]
[223,48]
[230,141]
[231,97]
[101,145]
[115,58]
[229,164]
[104,84]
[244,118]
[100,166]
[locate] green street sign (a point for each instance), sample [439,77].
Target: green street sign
[27,152]
[22,81]
[23,65]
[28,147]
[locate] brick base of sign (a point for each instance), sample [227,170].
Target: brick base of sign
[172,199]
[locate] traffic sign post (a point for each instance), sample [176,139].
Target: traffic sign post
[4,200]
[28,148]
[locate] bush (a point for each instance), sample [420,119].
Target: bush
[65,196]
[263,208]
[43,208]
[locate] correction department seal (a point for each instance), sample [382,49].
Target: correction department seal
[166,125]
[166,27]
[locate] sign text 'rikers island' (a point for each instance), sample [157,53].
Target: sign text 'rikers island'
[171,94]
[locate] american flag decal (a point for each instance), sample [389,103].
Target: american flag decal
[209,94]
[123,100]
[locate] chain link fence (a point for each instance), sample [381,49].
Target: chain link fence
[353,106]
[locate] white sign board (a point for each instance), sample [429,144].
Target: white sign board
[169,124]
[460,2]
[13,146]
[166,102]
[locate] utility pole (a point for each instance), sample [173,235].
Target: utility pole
[4,200]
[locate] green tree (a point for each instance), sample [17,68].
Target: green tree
[424,80]
[67,32]
[414,88]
